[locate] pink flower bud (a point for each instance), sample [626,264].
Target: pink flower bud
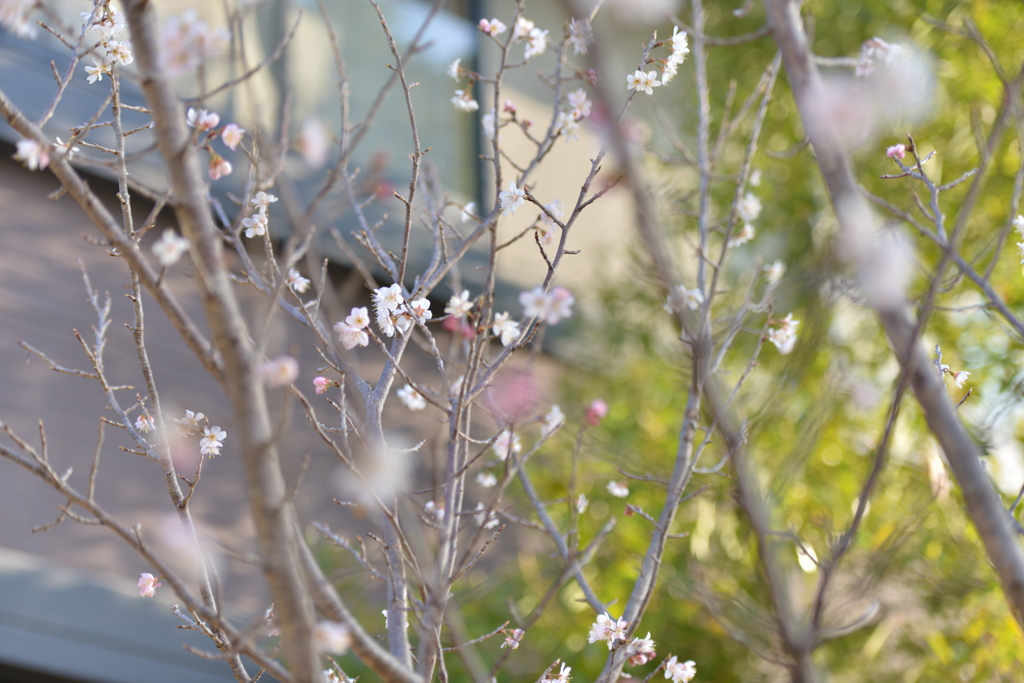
[322,384]
[896,151]
[509,107]
[596,412]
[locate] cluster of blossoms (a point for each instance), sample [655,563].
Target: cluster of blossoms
[607,629]
[187,41]
[512,638]
[394,313]
[352,331]
[486,519]
[506,443]
[748,210]
[896,151]
[486,480]
[298,283]
[567,124]
[641,81]
[35,156]
[458,310]
[207,122]
[549,307]
[680,672]
[145,423]
[213,437]
[641,651]
[536,40]
[874,52]
[680,297]
[546,227]
[784,336]
[111,50]
[257,224]
[580,35]
[617,489]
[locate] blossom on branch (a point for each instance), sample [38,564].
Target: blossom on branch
[486,519]
[641,651]
[960,378]
[680,672]
[536,43]
[35,156]
[506,443]
[297,282]
[511,199]
[202,119]
[411,398]
[580,35]
[66,149]
[232,135]
[145,423]
[608,630]
[453,69]
[642,82]
[505,328]
[255,225]
[617,489]
[552,421]
[742,237]
[493,27]
[749,207]
[522,28]
[596,412]
[550,307]
[512,639]
[219,166]
[486,479]
[190,423]
[896,151]
[352,332]
[148,585]
[321,384]
[459,305]
[784,336]
[169,248]
[773,272]
[464,101]
[212,441]
[331,637]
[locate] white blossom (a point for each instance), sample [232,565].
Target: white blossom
[607,629]
[749,208]
[617,489]
[66,149]
[467,212]
[255,225]
[189,424]
[388,298]
[522,28]
[453,69]
[580,35]
[742,237]
[486,479]
[493,27]
[579,103]
[14,17]
[169,248]
[506,443]
[960,378]
[511,199]
[464,101]
[296,281]
[212,441]
[35,156]
[486,519]
[331,637]
[582,503]
[773,272]
[642,82]
[554,419]
[784,336]
[411,398]
[459,305]
[680,672]
[567,126]
[681,297]
[536,43]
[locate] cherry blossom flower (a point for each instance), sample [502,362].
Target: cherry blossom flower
[567,127]
[742,237]
[486,519]
[261,201]
[552,421]
[506,443]
[279,371]
[411,398]
[388,298]
[617,489]
[680,47]
[512,639]
[65,149]
[351,336]
[669,70]
[582,503]
[169,248]
[596,412]
[755,178]
[464,101]
[212,441]
[467,212]
[550,307]
[420,309]
[145,423]
[322,384]
[536,43]
[896,151]
[387,322]
[579,103]
[486,479]
[642,82]
[331,637]
[453,69]
[487,122]
[511,199]
[189,424]
[773,272]
[433,509]
[296,281]
[681,297]
[960,378]
[232,135]
[784,336]
[876,51]
[749,208]
[147,585]
[505,328]
[202,119]
[219,167]
[580,35]
[564,675]
[96,71]
[494,27]
[680,672]
[35,156]
[607,629]
[255,225]
[641,651]
[459,305]
[119,52]
[522,28]
[508,106]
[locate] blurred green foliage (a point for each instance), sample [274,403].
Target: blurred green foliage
[813,418]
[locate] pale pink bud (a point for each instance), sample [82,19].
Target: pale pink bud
[509,107]
[148,585]
[280,371]
[219,166]
[899,151]
[322,384]
[596,412]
